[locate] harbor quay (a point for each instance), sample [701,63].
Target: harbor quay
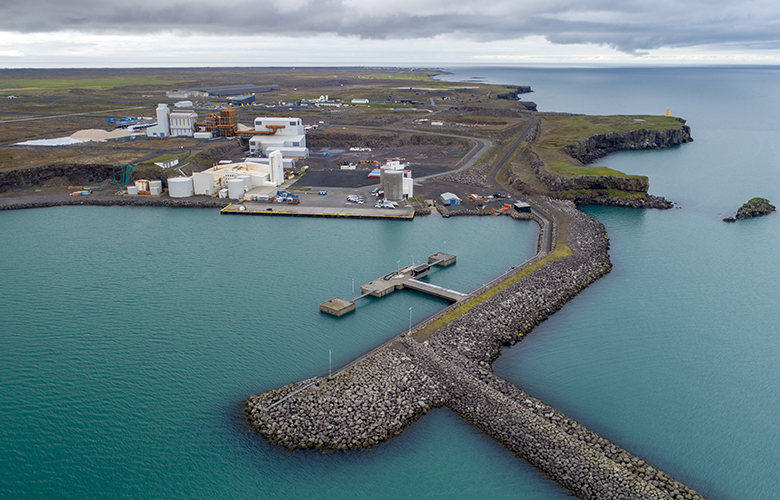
[377,396]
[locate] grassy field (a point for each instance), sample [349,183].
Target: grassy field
[557,132]
[561,131]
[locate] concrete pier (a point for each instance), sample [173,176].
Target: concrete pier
[337,306]
[396,280]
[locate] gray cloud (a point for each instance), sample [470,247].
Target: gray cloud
[630,26]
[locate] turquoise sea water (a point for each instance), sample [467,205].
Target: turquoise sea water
[675,355]
[129,337]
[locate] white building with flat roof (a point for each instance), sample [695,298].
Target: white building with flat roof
[284,134]
[260,179]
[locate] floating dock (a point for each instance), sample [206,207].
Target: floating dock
[396,280]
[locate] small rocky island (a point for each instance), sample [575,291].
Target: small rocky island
[753,208]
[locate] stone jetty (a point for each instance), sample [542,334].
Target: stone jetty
[374,398]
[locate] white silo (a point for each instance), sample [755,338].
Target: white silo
[277,168]
[163,126]
[236,189]
[393,183]
[247,181]
[180,187]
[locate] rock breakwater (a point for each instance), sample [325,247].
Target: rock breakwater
[373,399]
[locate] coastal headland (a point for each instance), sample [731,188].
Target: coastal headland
[484,139]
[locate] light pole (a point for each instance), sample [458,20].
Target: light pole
[410,321]
[330,364]
[353,289]
[399,265]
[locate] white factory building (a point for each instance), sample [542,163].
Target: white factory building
[250,180]
[173,123]
[282,134]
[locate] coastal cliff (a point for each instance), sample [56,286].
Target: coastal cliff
[600,145]
[603,186]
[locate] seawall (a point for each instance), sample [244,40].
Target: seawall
[373,399]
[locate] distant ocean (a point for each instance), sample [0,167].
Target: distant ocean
[129,337]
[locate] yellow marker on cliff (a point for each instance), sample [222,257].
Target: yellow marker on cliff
[668,112]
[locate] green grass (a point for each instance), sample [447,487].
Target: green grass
[562,164]
[404,76]
[567,130]
[561,251]
[76,83]
[168,157]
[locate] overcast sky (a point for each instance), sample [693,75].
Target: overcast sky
[106,33]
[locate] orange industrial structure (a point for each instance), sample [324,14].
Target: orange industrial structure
[224,124]
[271,130]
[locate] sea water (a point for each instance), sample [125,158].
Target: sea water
[129,337]
[675,355]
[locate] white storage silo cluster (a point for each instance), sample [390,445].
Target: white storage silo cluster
[180,187]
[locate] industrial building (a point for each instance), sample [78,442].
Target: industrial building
[450,199]
[173,123]
[251,180]
[220,91]
[396,180]
[241,100]
[283,134]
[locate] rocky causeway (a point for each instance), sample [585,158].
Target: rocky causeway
[376,397]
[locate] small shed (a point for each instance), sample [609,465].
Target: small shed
[450,199]
[521,206]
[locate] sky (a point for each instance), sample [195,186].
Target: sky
[172,33]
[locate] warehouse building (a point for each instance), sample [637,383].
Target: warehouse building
[450,199]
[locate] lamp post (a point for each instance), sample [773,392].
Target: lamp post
[410,321]
[353,289]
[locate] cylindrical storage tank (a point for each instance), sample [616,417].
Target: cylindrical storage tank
[236,189]
[180,187]
[247,181]
[394,184]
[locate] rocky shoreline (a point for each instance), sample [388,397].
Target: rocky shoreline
[373,399]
